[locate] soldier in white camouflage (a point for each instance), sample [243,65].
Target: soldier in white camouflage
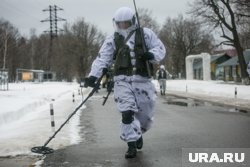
[134,93]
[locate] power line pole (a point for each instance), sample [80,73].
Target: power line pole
[53,19]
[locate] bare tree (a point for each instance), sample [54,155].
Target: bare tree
[182,38]
[243,14]
[76,49]
[32,47]
[5,39]
[225,15]
[72,51]
[242,8]
[7,31]
[8,46]
[147,20]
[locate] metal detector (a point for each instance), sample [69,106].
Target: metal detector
[46,150]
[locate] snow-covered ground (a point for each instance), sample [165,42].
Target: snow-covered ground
[25,110]
[215,91]
[25,116]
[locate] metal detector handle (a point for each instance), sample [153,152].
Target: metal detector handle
[73,113]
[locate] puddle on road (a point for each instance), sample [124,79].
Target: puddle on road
[178,103]
[189,102]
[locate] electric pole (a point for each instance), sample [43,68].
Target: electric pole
[53,19]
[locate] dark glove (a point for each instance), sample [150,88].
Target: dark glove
[148,56]
[104,70]
[90,81]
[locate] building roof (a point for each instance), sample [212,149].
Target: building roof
[231,52]
[217,56]
[30,70]
[235,60]
[214,58]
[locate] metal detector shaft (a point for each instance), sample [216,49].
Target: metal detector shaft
[73,113]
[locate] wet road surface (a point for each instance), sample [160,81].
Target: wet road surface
[179,123]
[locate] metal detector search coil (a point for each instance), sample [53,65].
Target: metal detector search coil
[42,150]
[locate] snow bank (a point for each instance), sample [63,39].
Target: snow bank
[215,90]
[25,116]
[212,88]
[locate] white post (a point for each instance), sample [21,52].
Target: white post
[235,96]
[235,93]
[206,59]
[52,117]
[189,68]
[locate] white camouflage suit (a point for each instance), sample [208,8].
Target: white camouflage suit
[135,93]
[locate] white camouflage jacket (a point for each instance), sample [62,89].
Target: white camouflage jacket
[106,52]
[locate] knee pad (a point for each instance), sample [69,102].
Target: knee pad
[127,117]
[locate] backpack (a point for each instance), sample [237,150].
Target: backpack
[162,74]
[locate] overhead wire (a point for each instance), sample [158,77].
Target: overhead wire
[17,10]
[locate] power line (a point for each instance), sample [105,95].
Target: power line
[53,19]
[17,10]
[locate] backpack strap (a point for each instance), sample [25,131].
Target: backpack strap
[120,42]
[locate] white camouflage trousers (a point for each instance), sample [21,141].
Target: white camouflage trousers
[135,94]
[162,83]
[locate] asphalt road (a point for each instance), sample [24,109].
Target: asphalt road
[179,123]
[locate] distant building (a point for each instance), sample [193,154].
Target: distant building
[31,75]
[49,76]
[231,67]
[216,60]
[216,70]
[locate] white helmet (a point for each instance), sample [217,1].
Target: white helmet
[124,20]
[162,67]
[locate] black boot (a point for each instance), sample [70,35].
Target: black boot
[139,143]
[131,153]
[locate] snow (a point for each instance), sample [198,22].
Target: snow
[25,110]
[217,91]
[25,116]
[215,88]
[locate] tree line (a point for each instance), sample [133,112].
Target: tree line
[73,50]
[69,55]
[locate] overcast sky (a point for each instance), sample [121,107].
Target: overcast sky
[27,14]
